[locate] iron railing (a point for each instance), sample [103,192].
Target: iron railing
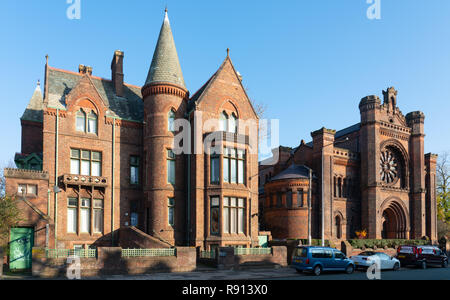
[64,253]
[148,252]
[252,251]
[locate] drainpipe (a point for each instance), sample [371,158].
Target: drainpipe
[188,208]
[112,178]
[48,202]
[55,190]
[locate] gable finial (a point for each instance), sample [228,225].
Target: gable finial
[39,83]
[228,52]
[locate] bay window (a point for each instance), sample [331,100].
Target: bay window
[82,212]
[72,212]
[215,207]
[98,215]
[215,169]
[233,215]
[234,166]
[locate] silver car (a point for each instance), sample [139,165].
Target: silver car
[368,258]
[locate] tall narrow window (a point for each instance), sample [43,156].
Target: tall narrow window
[81,121]
[215,215]
[233,165]
[241,166]
[300,200]
[215,169]
[171,211]
[85,215]
[241,215]
[289,199]
[85,163]
[226,166]
[233,215]
[279,199]
[171,122]
[170,167]
[134,170]
[223,122]
[75,161]
[92,123]
[96,162]
[233,124]
[72,208]
[98,215]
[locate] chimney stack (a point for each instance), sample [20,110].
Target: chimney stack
[117,72]
[82,69]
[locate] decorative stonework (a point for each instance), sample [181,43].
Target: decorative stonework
[389,167]
[26,174]
[167,89]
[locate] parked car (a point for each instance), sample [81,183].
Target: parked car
[422,256]
[320,259]
[367,258]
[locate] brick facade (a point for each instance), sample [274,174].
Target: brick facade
[375,176]
[131,124]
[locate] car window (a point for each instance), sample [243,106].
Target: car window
[383,256]
[328,254]
[366,253]
[406,249]
[302,252]
[339,255]
[317,253]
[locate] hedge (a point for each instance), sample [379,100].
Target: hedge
[390,243]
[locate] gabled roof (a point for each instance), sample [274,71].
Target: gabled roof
[165,67]
[129,107]
[198,96]
[34,110]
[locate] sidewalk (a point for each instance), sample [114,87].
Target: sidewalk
[199,274]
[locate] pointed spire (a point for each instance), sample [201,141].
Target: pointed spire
[165,67]
[33,112]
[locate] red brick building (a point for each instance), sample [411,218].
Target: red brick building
[99,155]
[373,175]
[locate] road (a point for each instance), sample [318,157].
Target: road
[432,273]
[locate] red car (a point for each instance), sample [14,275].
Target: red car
[421,256]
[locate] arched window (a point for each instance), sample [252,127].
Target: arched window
[338,227]
[223,122]
[335,187]
[92,123]
[340,187]
[171,122]
[233,124]
[81,121]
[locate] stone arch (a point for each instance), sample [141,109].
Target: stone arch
[394,219]
[229,106]
[340,225]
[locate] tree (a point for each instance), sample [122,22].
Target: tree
[443,187]
[9,217]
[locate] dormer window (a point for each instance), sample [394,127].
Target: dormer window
[171,121]
[81,121]
[92,123]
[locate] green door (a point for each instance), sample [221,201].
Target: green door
[21,244]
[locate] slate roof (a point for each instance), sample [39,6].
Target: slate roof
[129,107]
[165,65]
[347,130]
[34,110]
[293,172]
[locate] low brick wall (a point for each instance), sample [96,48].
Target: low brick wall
[226,259]
[109,261]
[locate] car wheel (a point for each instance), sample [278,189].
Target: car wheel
[396,267]
[423,265]
[445,264]
[317,270]
[350,269]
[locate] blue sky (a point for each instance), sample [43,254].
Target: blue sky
[310,62]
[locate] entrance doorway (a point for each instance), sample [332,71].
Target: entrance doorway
[20,245]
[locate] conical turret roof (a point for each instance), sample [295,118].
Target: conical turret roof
[34,110]
[165,67]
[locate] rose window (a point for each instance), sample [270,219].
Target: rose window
[389,167]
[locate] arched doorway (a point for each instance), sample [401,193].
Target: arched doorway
[394,222]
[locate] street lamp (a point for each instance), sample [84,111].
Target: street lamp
[323,191]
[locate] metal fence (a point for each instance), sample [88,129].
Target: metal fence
[64,253]
[208,254]
[148,252]
[252,251]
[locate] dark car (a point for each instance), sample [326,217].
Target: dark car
[422,256]
[319,259]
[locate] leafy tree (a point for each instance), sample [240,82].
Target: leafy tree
[443,187]
[9,217]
